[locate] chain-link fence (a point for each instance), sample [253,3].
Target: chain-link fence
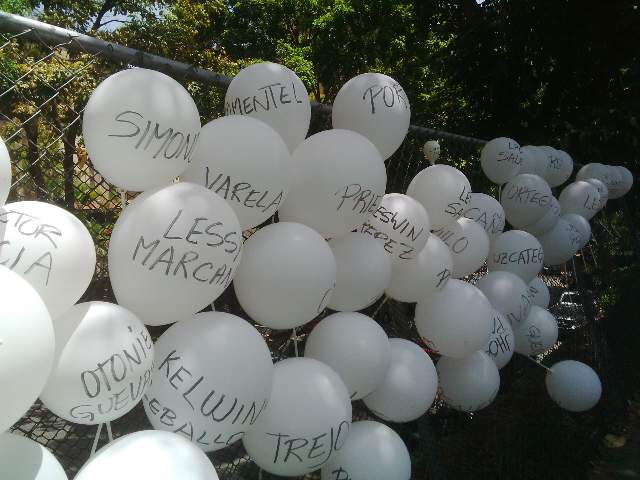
[45,80]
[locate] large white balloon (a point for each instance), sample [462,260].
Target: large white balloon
[602,190]
[500,159]
[501,344]
[24,459]
[140,127]
[5,173]
[455,321]
[561,243]
[355,346]
[192,392]
[488,212]
[418,278]
[375,106]
[338,179]
[307,421]
[274,94]
[443,191]
[50,248]
[508,294]
[517,252]
[410,386]
[468,243]
[102,366]
[26,347]
[548,220]
[580,197]
[401,224]
[537,334]
[244,161]
[573,385]
[373,452]
[595,170]
[539,292]
[468,384]
[173,251]
[582,225]
[279,259]
[149,454]
[525,199]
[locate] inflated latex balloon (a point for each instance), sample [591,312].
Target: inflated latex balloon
[602,190]
[418,278]
[508,294]
[355,346]
[375,106]
[537,334]
[501,344]
[410,386]
[309,409]
[26,347]
[486,211]
[500,159]
[558,166]
[102,366]
[582,225]
[580,197]
[5,173]
[338,180]
[140,127]
[595,170]
[548,220]
[401,224]
[533,160]
[274,94]
[373,452]
[468,243]
[539,292]
[468,384]
[244,161]
[192,392]
[525,199]
[443,191]
[279,259]
[626,181]
[573,385]
[149,454]
[431,150]
[561,243]
[24,459]
[173,251]
[50,248]
[517,252]
[363,271]
[455,321]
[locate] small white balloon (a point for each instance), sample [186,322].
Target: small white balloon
[539,292]
[548,220]
[595,170]
[468,243]
[602,190]
[580,197]
[582,225]
[375,106]
[279,259]
[373,452]
[488,212]
[558,166]
[500,159]
[468,384]
[274,94]
[5,173]
[455,321]
[525,199]
[537,334]
[502,343]
[431,150]
[562,174]
[443,191]
[561,243]
[573,385]
[410,386]
[508,294]
[533,160]
[24,459]
[517,252]
[615,184]
[626,181]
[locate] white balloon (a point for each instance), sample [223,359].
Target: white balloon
[558,166]
[517,252]
[244,161]
[563,173]
[500,159]
[580,197]
[363,271]
[192,392]
[548,220]
[455,321]
[26,347]
[355,346]
[338,179]
[602,190]
[140,127]
[410,386]
[279,259]
[5,173]
[626,181]
[561,243]
[102,365]
[375,106]
[373,452]
[533,160]
[149,454]
[501,344]
[24,459]
[487,211]
[421,276]
[537,334]
[443,191]
[468,384]
[308,419]
[595,170]
[616,182]
[525,199]
[50,248]
[468,244]
[582,225]
[431,150]
[573,385]
[274,94]
[539,292]
[508,294]
[173,251]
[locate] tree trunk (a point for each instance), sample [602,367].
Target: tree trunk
[33,152]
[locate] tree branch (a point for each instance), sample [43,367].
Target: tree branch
[106,6]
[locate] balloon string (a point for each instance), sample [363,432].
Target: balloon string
[540,364]
[386,299]
[294,336]
[95,440]
[109,433]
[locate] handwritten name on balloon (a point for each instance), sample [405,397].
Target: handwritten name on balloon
[511,154]
[493,224]
[385,95]
[525,256]
[525,195]
[455,244]
[499,342]
[243,192]
[266,98]
[410,231]
[401,249]
[358,198]
[456,208]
